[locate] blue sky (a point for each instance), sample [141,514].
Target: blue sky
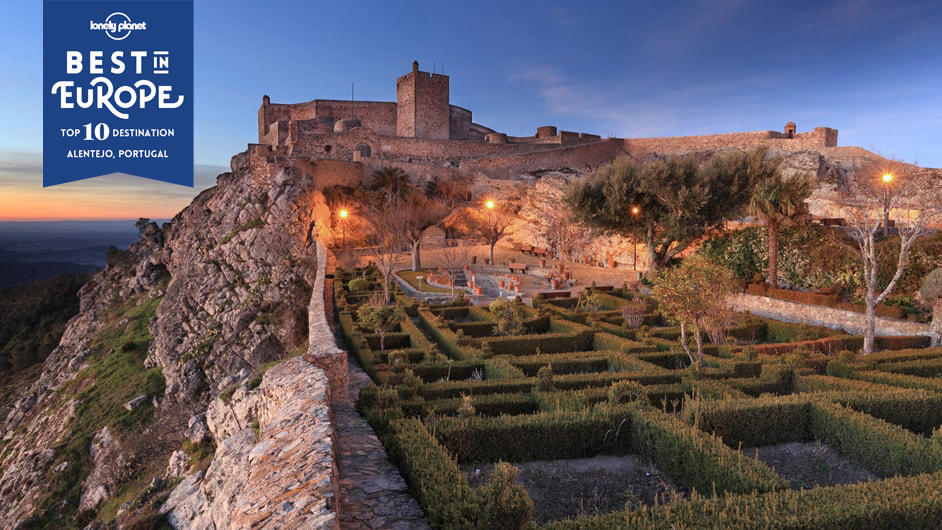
[870,68]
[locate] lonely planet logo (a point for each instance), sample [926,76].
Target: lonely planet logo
[118,26]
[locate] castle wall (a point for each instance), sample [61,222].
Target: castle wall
[584,156]
[277,122]
[819,138]
[459,123]
[377,116]
[396,150]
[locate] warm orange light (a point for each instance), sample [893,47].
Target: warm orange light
[490,205]
[343,214]
[635,210]
[887,178]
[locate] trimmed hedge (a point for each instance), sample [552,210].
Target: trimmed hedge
[900,380]
[701,461]
[563,337]
[903,343]
[454,371]
[886,449]
[433,476]
[919,367]
[905,355]
[608,341]
[899,503]
[752,422]
[541,436]
[488,404]
[445,337]
[563,363]
[825,383]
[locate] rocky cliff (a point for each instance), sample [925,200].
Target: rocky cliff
[193,310]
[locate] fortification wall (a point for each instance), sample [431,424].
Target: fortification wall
[377,116]
[336,173]
[459,123]
[581,157]
[405,150]
[820,138]
[278,121]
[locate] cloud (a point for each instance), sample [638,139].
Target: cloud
[108,196]
[541,74]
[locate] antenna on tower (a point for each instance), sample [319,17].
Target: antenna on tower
[434,70]
[352,91]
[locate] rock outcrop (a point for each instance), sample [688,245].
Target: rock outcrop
[274,464]
[225,289]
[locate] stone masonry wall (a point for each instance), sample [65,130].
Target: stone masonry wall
[323,351]
[280,475]
[828,317]
[819,138]
[581,157]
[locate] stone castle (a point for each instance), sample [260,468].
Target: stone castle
[341,142]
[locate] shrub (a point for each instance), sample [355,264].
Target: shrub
[506,504]
[544,378]
[509,316]
[358,285]
[625,392]
[633,315]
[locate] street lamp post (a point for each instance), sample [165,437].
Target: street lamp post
[343,229]
[634,212]
[887,178]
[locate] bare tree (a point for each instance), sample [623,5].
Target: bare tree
[387,239]
[564,234]
[453,257]
[875,193]
[421,213]
[492,220]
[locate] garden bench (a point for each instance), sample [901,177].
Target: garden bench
[517,267]
[556,294]
[526,249]
[539,251]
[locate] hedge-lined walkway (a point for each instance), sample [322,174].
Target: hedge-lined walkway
[372,492]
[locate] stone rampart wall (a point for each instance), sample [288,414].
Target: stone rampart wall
[581,157]
[829,317]
[323,351]
[819,138]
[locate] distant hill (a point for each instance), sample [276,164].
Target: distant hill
[31,251]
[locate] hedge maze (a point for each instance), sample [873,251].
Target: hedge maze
[450,397]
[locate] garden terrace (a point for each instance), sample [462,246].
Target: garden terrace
[568,396]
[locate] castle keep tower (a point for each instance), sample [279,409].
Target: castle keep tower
[422,109]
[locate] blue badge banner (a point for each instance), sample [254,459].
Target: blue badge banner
[118,83]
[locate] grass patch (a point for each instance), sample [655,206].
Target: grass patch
[254,223]
[410,278]
[114,376]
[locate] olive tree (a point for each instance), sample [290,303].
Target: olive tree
[677,200]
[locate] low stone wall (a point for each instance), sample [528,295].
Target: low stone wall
[323,351]
[829,317]
[274,465]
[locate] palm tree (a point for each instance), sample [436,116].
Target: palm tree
[779,201]
[392,180]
